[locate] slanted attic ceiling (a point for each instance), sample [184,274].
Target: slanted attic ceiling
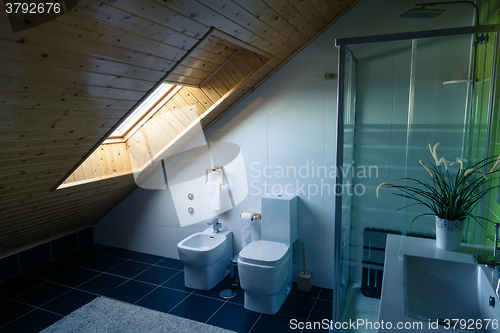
[66,84]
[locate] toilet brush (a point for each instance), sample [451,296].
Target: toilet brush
[304,279]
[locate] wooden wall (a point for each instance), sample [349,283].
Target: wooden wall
[109,160]
[66,84]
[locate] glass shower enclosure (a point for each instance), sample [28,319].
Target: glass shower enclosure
[398,94]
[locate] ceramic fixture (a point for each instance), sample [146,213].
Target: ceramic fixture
[438,289]
[206,256]
[265,266]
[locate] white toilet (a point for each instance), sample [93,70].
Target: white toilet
[265,266]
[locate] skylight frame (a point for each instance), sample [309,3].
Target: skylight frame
[143,112]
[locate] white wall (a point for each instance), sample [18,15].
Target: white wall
[289,121]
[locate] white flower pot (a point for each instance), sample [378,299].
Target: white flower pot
[448,234]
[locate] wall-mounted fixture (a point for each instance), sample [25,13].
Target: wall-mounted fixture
[330,76]
[216,168]
[426,13]
[257,216]
[422,13]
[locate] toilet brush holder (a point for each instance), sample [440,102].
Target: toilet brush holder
[304,278]
[304,281]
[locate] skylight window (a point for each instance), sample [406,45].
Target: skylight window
[144,111]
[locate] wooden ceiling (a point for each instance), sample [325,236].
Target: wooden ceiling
[66,84]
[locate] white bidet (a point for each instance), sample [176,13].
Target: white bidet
[206,256]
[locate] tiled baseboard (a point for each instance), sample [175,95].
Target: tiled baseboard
[27,259]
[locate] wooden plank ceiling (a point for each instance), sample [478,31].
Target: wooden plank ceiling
[66,84]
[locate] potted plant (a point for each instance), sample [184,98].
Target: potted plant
[451,197]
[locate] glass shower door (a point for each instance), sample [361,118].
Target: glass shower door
[409,93]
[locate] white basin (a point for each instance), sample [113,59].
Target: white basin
[440,289]
[206,256]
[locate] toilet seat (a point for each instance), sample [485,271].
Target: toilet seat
[264,253]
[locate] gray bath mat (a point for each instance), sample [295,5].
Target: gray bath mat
[105,315]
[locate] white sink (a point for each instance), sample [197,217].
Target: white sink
[440,289]
[206,256]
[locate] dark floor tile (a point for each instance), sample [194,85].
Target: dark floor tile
[102,284]
[275,323]
[162,299]
[297,306]
[197,308]
[129,269]
[148,258]
[104,263]
[11,310]
[131,291]
[239,298]
[326,294]
[100,248]
[42,294]
[125,254]
[321,310]
[234,317]
[50,270]
[79,257]
[214,292]
[314,292]
[32,322]
[69,302]
[156,275]
[171,263]
[177,282]
[76,277]
[18,284]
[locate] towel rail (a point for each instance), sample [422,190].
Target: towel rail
[215,169]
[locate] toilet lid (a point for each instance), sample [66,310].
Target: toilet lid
[264,253]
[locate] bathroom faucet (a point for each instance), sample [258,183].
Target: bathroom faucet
[491,261]
[215,223]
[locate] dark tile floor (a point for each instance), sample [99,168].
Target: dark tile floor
[37,298]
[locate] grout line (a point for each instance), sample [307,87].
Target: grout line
[157,286]
[312,308]
[131,259]
[181,302]
[18,317]
[71,288]
[77,287]
[251,328]
[55,259]
[125,277]
[34,308]
[162,286]
[213,314]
